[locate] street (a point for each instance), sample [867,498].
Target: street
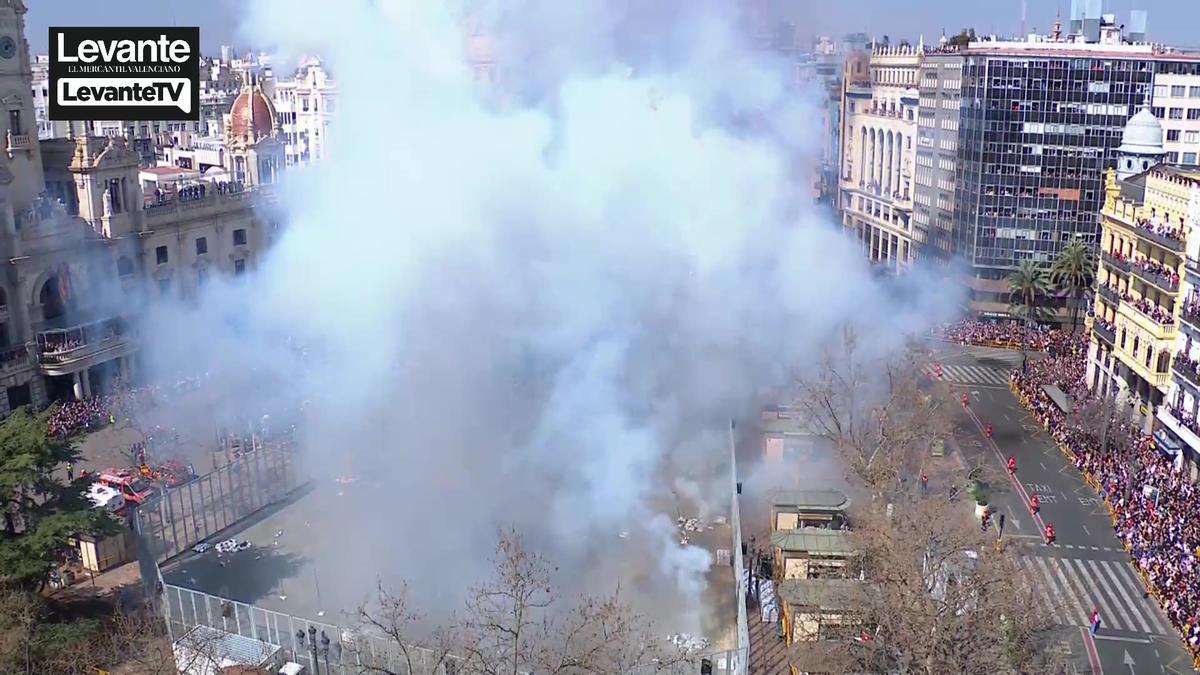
[1086,568]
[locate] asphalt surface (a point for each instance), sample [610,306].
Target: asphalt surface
[307,559]
[1086,568]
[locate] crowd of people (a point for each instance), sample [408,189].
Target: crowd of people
[986,333]
[1161,229]
[1151,268]
[989,334]
[89,414]
[1155,507]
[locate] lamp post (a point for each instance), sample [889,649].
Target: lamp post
[317,649]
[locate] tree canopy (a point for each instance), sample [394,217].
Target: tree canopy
[42,509]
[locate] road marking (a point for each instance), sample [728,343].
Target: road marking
[1103,592]
[1122,638]
[1055,604]
[1061,590]
[1087,531]
[1090,645]
[1133,583]
[1043,465]
[1084,590]
[1102,571]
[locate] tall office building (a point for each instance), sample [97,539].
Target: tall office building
[1039,123]
[937,147]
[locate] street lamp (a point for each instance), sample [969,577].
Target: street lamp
[317,649]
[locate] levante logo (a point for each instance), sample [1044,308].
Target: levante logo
[125,74]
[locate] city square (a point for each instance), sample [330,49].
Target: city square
[752,338]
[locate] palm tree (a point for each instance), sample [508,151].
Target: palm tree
[1073,273]
[1027,285]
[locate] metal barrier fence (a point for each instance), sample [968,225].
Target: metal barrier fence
[348,653]
[739,564]
[188,514]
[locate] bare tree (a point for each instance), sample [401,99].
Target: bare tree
[943,596]
[403,628]
[516,622]
[877,410]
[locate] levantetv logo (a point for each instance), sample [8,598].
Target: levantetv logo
[125,74]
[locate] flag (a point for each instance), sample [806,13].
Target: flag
[64,283]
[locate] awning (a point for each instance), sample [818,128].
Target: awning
[1060,399]
[1167,443]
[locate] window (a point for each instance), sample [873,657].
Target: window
[1175,113]
[124,267]
[201,277]
[1172,134]
[1193,92]
[164,287]
[14,122]
[1189,158]
[239,267]
[160,255]
[1191,137]
[1177,91]
[201,245]
[1193,114]
[239,237]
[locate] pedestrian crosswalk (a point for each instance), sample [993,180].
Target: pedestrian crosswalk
[974,375]
[1070,588]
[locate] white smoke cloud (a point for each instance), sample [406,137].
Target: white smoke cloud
[541,306]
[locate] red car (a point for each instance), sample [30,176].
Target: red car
[133,486]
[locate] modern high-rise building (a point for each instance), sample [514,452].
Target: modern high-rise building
[937,149]
[1176,103]
[1039,124]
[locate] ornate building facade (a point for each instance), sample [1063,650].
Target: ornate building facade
[875,196]
[84,245]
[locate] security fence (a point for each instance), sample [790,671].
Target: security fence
[345,652]
[191,513]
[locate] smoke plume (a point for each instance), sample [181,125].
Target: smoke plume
[540,301]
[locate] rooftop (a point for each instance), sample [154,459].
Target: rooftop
[225,649]
[816,499]
[167,171]
[823,593]
[812,540]
[1024,48]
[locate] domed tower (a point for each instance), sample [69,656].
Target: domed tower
[254,152]
[1141,144]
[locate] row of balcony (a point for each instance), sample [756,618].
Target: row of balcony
[1189,316]
[1151,229]
[1115,262]
[1159,278]
[1187,369]
[1109,293]
[1105,331]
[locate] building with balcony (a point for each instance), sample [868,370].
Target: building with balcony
[306,105]
[1178,427]
[1143,248]
[875,195]
[84,250]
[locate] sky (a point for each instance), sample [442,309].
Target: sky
[1170,21]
